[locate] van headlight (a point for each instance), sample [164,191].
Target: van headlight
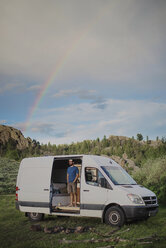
[135,198]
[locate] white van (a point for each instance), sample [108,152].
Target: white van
[104,190]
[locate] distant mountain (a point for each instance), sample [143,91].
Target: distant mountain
[14,136]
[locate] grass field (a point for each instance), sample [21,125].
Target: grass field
[8,175]
[15,230]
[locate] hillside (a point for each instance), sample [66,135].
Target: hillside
[121,149]
[14,145]
[13,136]
[126,151]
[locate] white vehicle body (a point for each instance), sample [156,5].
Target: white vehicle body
[37,178]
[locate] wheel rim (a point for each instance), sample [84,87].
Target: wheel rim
[34,215]
[114,217]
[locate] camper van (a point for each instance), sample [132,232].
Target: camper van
[104,190]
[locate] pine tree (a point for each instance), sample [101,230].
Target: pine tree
[139,136]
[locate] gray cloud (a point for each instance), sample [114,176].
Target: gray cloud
[18,87]
[48,129]
[34,87]
[83,94]
[85,121]
[14,86]
[114,42]
[99,102]
[2,122]
[45,128]
[95,99]
[101,105]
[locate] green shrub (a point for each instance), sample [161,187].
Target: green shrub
[8,175]
[153,176]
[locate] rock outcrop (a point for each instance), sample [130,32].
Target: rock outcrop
[10,134]
[126,163]
[121,140]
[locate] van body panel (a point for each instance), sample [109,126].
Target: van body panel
[33,181]
[34,209]
[66,214]
[117,196]
[93,198]
[137,189]
[91,213]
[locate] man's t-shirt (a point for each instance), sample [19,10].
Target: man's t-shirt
[72,172]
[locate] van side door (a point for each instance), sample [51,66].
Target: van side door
[34,182]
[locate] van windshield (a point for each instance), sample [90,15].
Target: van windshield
[118,176]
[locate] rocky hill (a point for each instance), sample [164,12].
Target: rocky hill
[121,140]
[128,164]
[14,136]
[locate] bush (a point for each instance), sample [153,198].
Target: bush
[153,176]
[8,175]
[12,154]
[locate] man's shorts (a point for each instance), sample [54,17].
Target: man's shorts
[72,187]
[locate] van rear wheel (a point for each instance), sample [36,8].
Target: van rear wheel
[114,216]
[35,216]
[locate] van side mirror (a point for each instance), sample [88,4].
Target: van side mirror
[109,186]
[105,184]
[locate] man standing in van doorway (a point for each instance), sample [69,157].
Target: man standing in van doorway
[72,176]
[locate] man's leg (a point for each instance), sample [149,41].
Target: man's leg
[71,194]
[74,188]
[75,199]
[71,199]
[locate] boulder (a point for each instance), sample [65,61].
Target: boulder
[58,229]
[48,230]
[125,162]
[79,229]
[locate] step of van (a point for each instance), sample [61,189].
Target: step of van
[66,209]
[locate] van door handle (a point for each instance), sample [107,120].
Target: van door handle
[46,189]
[86,190]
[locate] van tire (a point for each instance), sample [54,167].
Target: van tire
[35,216]
[114,216]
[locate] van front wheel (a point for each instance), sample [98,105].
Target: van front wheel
[35,216]
[114,216]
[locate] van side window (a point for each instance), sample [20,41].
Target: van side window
[94,177]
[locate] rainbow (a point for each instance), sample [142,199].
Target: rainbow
[43,90]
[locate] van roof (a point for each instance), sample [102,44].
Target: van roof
[69,156]
[89,159]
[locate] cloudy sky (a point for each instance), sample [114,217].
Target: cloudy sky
[80,69]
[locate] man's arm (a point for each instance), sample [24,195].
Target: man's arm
[75,178]
[77,175]
[67,178]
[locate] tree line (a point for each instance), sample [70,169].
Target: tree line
[136,149]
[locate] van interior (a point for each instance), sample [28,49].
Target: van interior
[60,198]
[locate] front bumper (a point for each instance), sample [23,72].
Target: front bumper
[140,212]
